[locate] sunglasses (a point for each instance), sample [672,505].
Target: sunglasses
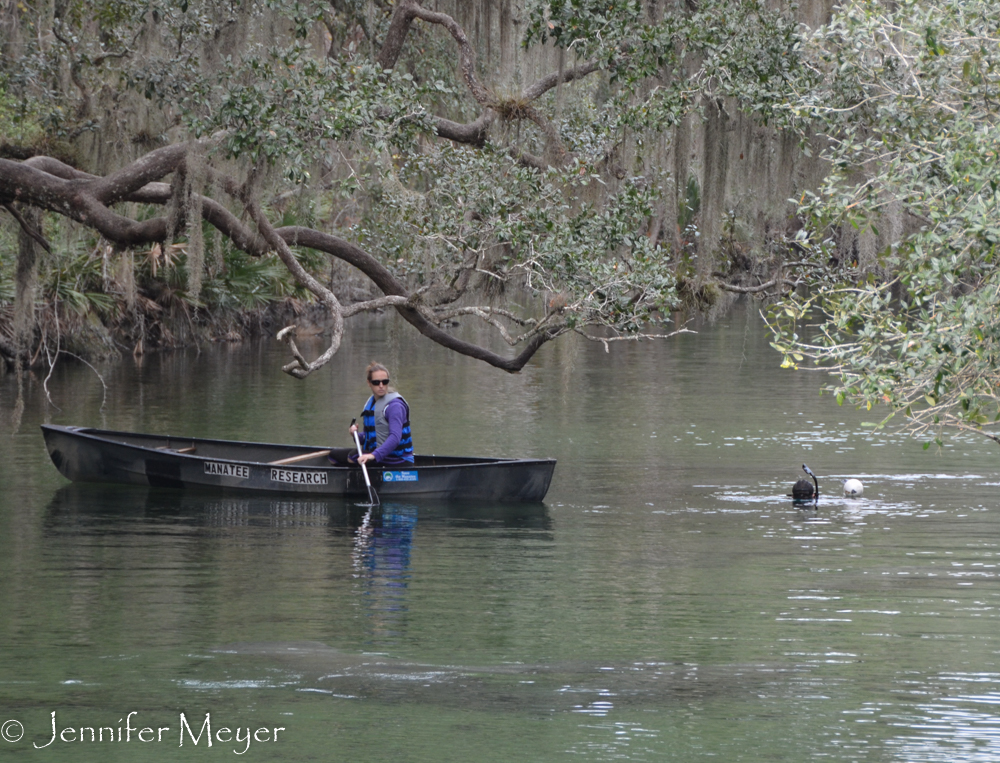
[377,382]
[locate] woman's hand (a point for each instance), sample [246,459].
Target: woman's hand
[364,458]
[353,429]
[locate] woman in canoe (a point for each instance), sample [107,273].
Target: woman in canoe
[385,433]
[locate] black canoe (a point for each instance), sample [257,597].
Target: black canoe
[94,455]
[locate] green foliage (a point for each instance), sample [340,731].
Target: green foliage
[241,283]
[363,141]
[85,282]
[248,283]
[907,97]
[286,106]
[75,282]
[20,122]
[662,67]
[519,226]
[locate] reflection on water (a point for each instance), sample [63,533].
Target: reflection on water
[98,503]
[667,602]
[382,567]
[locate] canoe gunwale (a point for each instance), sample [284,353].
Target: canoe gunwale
[99,436]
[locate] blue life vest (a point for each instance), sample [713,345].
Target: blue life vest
[376,426]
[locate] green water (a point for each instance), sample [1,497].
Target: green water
[666,602]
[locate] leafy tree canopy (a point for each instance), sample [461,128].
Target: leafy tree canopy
[289,128]
[902,236]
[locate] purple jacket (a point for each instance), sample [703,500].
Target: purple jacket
[396,413]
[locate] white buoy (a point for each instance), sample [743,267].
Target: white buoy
[853,488]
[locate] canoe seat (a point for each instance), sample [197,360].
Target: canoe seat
[303,457]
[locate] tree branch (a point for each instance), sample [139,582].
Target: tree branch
[399,27]
[467,56]
[756,289]
[36,235]
[548,82]
[71,194]
[299,368]
[473,133]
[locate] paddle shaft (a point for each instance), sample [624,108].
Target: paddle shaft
[372,495]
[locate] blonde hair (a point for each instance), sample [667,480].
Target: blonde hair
[372,368]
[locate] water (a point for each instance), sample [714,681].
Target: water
[667,602]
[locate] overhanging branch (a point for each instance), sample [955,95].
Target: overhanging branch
[61,189]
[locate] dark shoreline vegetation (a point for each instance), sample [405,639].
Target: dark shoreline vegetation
[90,307]
[100,305]
[173,172]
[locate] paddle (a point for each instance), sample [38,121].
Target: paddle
[372,495]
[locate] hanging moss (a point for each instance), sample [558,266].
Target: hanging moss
[26,281]
[690,205]
[193,189]
[125,279]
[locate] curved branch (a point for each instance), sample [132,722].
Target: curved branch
[375,304]
[466,55]
[49,184]
[606,340]
[299,368]
[24,183]
[391,287]
[548,82]
[399,27]
[473,133]
[76,64]
[59,169]
[153,166]
[70,194]
[27,228]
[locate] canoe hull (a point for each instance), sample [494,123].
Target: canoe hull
[92,455]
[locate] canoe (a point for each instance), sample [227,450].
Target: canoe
[83,454]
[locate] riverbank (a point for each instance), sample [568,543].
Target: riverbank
[86,336]
[103,306]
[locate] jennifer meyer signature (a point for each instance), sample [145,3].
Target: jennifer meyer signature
[130,731]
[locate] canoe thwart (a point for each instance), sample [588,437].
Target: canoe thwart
[303,457]
[192,449]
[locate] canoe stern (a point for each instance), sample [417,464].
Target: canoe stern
[78,460]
